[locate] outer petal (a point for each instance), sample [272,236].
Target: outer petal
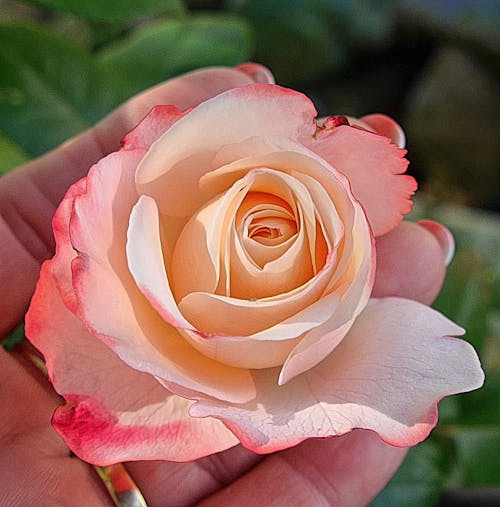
[103,285]
[114,412]
[410,264]
[156,123]
[374,167]
[387,375]
[175,163]
[61,267]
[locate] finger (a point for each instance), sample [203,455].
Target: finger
[410,263]
[35,464]
[184,92]
[30,194]
[165,484]
[342,471]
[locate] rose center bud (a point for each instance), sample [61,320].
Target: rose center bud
[270,253]
[271,230]
[264,220]
[259,239]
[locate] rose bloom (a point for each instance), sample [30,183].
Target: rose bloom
[239,272]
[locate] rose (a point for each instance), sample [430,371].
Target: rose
[216,281]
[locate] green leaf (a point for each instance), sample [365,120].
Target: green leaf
[467,294]
[303,40]
[419,480]
[298,40]
[478,457]
[16,337]
[50,89]
[112,10]
[169,48]
[482,407]
[11,155]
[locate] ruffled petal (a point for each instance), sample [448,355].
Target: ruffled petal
[102,280]
[374,167]
[113,413]
[153,126]
[387,375]
[178,159]
[65,253]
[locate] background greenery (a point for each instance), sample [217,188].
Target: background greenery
[432,65]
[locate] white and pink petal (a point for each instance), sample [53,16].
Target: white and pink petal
[101,279]
[388,374]
[113,413]
[375,168]
[178,159]
[152,127]
[65,253]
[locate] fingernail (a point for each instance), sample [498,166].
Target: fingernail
[257,72]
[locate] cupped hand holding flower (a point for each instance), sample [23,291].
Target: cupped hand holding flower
[214,283]
[222,279]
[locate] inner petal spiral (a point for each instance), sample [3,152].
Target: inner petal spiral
[271,230]
[266,226]
[257,240]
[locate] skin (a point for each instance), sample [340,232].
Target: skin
[36,465]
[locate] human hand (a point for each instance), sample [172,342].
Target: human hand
[36,466]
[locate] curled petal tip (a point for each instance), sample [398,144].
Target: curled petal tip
[257,72]
[444,237]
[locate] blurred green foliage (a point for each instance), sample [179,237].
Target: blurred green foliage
[196,41]
[112,11]
[11,155]
[320,34]
[64,64]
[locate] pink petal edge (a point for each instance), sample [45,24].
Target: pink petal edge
[154,124]
[263,110]
[113,412]
[101,280]
[387,375]
[375,167]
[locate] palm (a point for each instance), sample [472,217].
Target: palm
[37,465]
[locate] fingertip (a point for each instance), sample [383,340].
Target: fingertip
[257,72]
[410,264]
[444,237]
[385,125]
